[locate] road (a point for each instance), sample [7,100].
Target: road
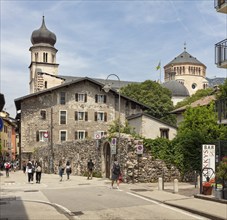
[91,199]
[101,202]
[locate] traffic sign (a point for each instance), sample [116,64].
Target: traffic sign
[139,149]
[45,135]
[113,146]
[1,124]
[97,135]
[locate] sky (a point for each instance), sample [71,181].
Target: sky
[97,38]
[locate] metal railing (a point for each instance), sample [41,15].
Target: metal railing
[221,52]
[221,106]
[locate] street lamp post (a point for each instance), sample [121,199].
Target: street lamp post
[107,88]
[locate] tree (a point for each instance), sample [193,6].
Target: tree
[198,95]
[161,148]
[199,127]
[222,91]
[153,95]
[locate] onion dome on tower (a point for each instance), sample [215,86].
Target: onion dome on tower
[43,35]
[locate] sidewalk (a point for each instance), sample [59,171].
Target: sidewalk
[28,200]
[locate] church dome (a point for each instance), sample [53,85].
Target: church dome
[176,88]
[43,35]
[185,57]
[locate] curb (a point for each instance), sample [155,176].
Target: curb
[213,217]
[212,199]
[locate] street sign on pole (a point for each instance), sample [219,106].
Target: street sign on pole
[208,160]
[139,149]
[113,146]
[97,135]
[1,124]
[45,135]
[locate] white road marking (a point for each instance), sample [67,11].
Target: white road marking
[166,206]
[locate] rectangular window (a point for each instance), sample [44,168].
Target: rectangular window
[62,117]
[62,98]
[102,133]
[42,136]
[43,114]
[100,98]
[81,97]
[63,136]
[80,135]
[164,133]
[100,116]
[81,116]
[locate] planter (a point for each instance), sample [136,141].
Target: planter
[218,193]
[207,190]
[225,193]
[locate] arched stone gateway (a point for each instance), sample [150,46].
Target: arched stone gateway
[106,160]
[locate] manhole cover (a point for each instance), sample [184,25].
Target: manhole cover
[77,213]
[31,190]
[140,190]
[9,181]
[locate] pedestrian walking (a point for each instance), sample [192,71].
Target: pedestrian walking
[61,169]
[38,172]
[14,166]
[116,172]
[24,167]
[7,168]
[68,169]
[33,169]
[29,171]
[90,167]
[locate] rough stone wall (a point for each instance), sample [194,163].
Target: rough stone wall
[134,168]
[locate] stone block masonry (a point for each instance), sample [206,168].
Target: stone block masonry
[144,168]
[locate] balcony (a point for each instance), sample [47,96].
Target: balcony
[220,6]
[221,106]
[221,54]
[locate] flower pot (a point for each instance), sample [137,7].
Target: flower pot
[207,190]
[218,193]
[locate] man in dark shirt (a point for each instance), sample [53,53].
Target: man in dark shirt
[90,167]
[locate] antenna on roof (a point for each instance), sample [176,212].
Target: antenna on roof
[184,46]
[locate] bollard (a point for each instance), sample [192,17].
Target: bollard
[160,183]
[175,186]
[198,181]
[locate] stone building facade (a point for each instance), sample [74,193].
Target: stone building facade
[71,111]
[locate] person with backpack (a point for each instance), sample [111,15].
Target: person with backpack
[116,171]
[68,169]
[29,171]
[7,167]
[90,167]
[38,172]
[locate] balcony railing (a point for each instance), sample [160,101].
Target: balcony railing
[221,106]
[221,54]
[220,6]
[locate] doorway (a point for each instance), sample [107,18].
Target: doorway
[107,156]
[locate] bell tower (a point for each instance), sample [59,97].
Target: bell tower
[43,57]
